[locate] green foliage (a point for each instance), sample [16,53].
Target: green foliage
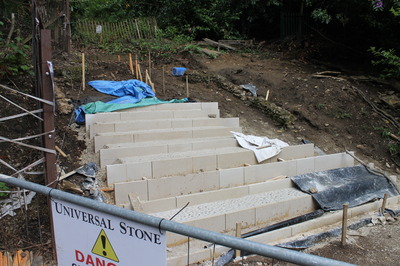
[343,115]
[393,146]
[192,48]
[395,11]
[13,57]
[3,187]
[389,60]
[321,15]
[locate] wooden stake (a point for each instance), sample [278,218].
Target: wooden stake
[67,175]
[148,81]
[83,71]
[136,67]
[266,96]
[163,79]
[384,203]
[344,223]
[149,65]
[61,152]
[238,234]
[140,72]
[187,86]
[119,58]
[131,63]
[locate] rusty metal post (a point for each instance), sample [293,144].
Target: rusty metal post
[47,93]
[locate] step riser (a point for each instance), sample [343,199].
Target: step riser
[163,168]
[156,169]
[101,141]
[262,215]
[119,127]
[216,194]
[110,156]
[91,119]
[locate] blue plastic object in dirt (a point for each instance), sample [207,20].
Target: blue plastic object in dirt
[178,71]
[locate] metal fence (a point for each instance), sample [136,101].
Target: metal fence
[105,32]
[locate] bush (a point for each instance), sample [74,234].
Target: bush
[389,60]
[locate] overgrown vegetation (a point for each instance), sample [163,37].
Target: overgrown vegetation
[389,60]
[14,55]
[3,187]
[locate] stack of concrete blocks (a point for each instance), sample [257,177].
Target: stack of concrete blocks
[160,158]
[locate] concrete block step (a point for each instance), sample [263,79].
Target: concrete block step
[111,153]
[154,112]
[255,176]
[137,168]
[182,166]
[103,139]
[201,250]
[125,126]
[180,200]
[251,211]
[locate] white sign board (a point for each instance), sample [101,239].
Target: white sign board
[87,237]
[99,29]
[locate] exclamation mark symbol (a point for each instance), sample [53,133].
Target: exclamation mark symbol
[103,241]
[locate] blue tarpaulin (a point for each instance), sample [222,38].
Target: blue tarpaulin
[131,93]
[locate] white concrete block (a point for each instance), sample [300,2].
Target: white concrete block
[138,171]
[166,187]
[151,115]
[270,186]
[90,119]
[333,161]
[326,219]
[295,152]
[263,172]
[159,205]
[195,113]
[171,167]
[272,236]
[181,185]
[209,105]
[305,165]
[284,210]
[214,143]
[101,140]
[116,174]
[127,126]
[110,156]
[163,135]
[179,123]
[231,177]
[204,163]
[180,147]
[238,159]
[100,127]
[210,196]
[123,189]
[246,217]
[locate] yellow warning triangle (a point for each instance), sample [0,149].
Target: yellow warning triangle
[103,247]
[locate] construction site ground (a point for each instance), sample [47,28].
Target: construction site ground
[330,112]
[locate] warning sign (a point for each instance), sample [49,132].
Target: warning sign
[87,237]
[103,247]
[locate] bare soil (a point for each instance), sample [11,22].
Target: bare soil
[343,110]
